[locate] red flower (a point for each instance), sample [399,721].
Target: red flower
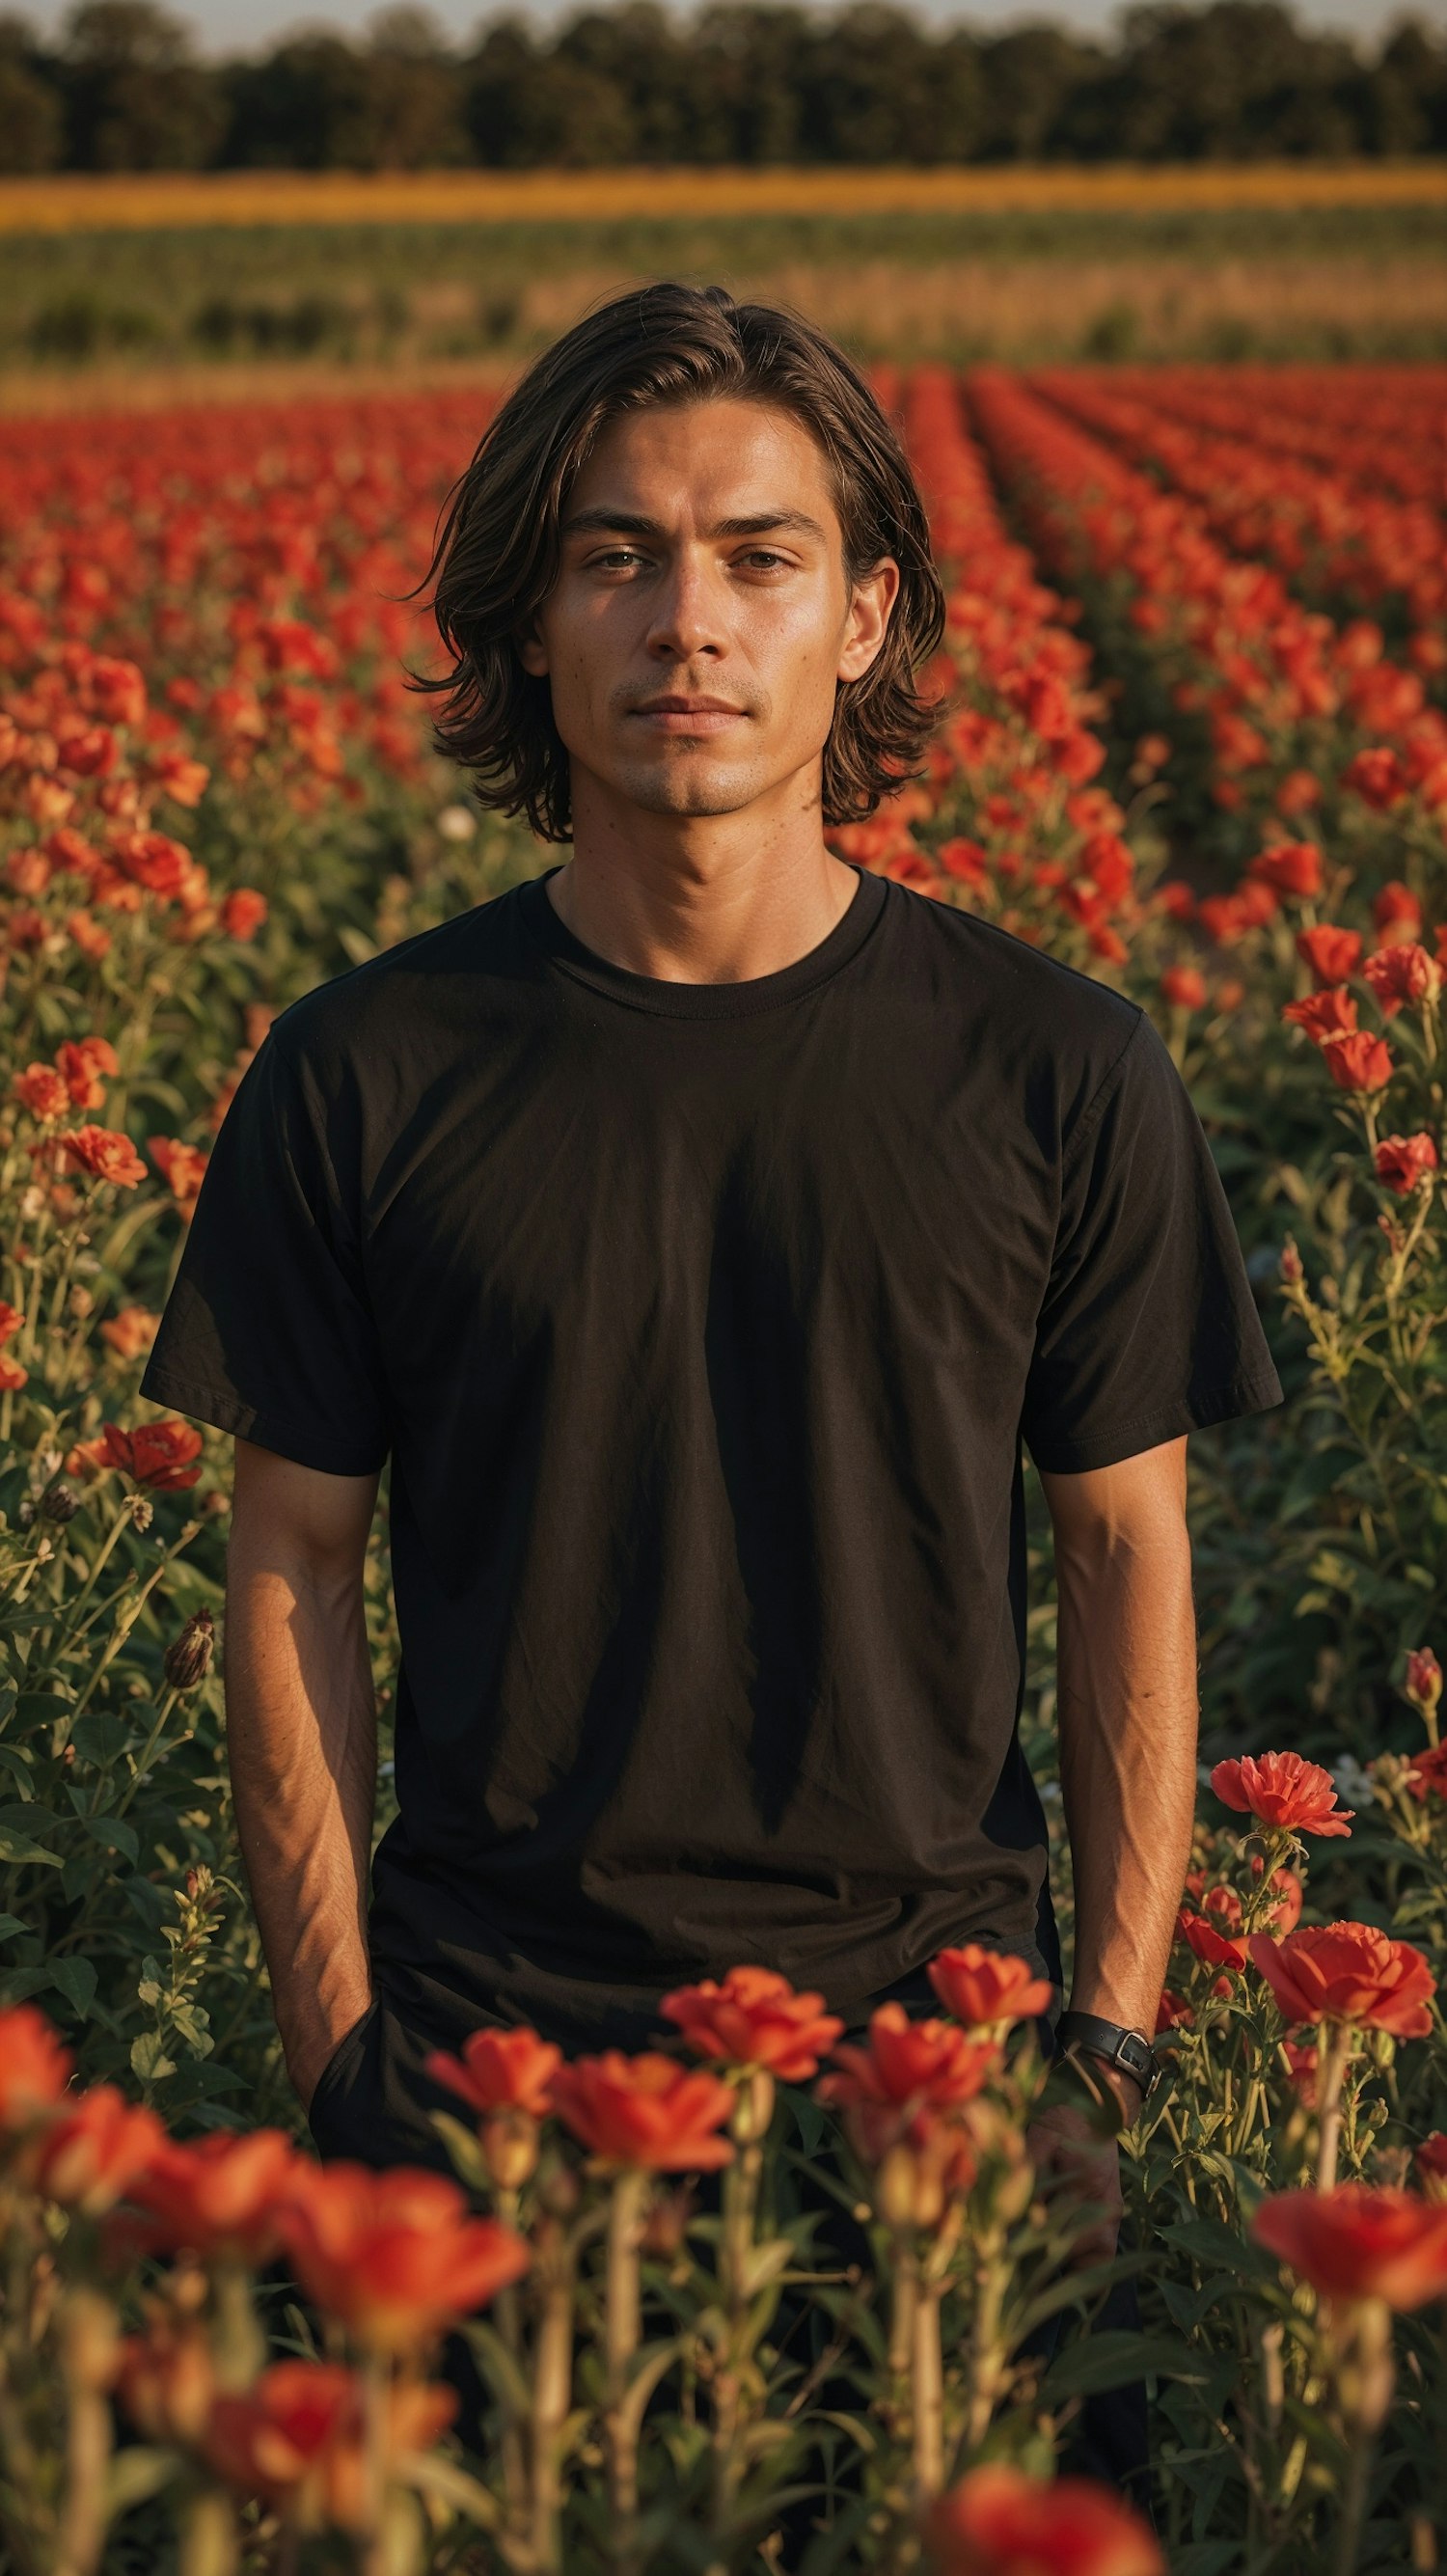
[1332,954]
[183,1165]
[645,2110]
[1424,1677]
[1359,1063]
[500,2070]
[999,2522]
[92,2149]
[1377,777]
[221,2194]
[1403,1163]
[1286,1792]
[1208,1941]
[910,2064]
[1428,1773]
[1395,910]
[755,2019]
[155,1453]
[984,1987]
[43,1091]
[394,2256]
[243,912]
[1403,974]
[1171,2010]
[1332,1014]
[1347,1972]
[104,1152]
[1184,988]
[1302,2062]
[81,1063]
[297,2439]
[1291,867]
[34,2068]
[1359,2243]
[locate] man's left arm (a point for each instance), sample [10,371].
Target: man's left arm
[1127,1718]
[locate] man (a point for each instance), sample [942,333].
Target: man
[698,1228]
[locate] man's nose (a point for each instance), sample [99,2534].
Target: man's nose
[687,610]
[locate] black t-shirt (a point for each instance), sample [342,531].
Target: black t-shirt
[702,1323]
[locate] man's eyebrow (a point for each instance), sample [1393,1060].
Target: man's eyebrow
[632,523]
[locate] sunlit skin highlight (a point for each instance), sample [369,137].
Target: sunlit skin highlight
[694,640]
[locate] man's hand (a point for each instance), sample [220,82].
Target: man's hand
[1062,2142]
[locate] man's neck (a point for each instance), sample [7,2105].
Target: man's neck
[700,899]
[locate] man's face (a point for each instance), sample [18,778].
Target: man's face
[702,617]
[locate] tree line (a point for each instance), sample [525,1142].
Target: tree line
[123,88]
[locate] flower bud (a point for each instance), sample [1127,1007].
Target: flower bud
[894,2188]
[754,2108]
[1424,1679]
[59,1501]
[1291,1263]
[510,2148]
[188,1657]
[666,2225]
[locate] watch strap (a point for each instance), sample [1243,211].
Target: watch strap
[1130,2050]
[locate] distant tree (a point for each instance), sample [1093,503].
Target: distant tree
[882,87]
[32,114]
[1236,81]
[1030,78]
[136,99]
[416,92]
[1405,104]
[528,104]
[751,62]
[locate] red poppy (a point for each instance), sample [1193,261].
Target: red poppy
[35,2069]
[756,2019]
[105,1153]
[911,2064]
[298,2439]
[394,2256]
[1331,953]
[646,2111]
[88,2154]
[1356,2242]
[500,2070]
[1208,1941]
[1359,1063]
[983,1987]
[218,2195]
[1332,1014]
[155,1453]
[1285,1791]
[1347,1972]
[1403,1163]
[1184,988]
[1291,867]
[999,2522]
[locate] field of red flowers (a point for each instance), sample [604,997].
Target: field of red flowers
[1193,739]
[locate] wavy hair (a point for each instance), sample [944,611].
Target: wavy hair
[497,552]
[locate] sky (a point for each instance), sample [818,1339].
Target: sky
[239,26]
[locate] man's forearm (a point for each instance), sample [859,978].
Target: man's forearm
[302,1747]
[1128,1716]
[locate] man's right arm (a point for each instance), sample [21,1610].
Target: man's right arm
[301,1735]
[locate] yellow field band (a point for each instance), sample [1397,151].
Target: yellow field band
[120,202]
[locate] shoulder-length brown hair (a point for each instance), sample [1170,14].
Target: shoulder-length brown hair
[497,552]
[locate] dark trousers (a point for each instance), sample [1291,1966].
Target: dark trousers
[372,2105]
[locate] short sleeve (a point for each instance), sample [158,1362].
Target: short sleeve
[1148,1327]
[267,1331]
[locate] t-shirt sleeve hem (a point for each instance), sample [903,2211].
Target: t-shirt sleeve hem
[1105,1447]
[226,1411]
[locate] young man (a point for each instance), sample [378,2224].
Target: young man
[698,1228]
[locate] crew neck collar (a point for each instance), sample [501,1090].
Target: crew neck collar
[710,1001]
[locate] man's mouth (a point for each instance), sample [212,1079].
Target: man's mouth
[673,712]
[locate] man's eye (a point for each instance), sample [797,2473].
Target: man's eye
[763,555]
[616,557]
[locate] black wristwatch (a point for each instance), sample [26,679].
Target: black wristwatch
[1130,2050]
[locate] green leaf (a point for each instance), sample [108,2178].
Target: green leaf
[76,1980]
[114,1834]
[1112,2359]
[149,2062]
[10,1924]
[20,1851]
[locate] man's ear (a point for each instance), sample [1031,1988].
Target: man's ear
[869,613]
[532,652]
